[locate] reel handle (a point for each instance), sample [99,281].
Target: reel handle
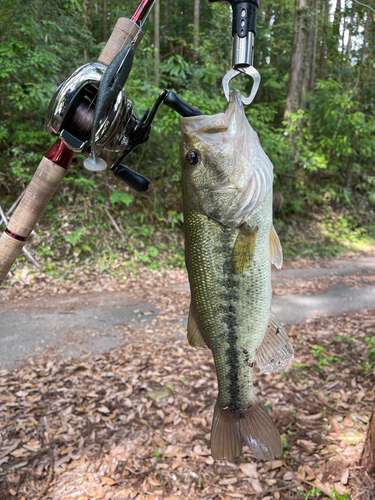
[184,109]
[136,181]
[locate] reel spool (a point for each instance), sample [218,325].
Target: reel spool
[72,108]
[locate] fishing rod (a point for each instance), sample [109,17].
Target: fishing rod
[93,95]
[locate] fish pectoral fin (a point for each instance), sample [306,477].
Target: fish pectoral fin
[276,351]
[252,426]
[276,252]
[244,250]
[194,335]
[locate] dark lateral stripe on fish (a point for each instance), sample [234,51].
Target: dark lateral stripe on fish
[230,296]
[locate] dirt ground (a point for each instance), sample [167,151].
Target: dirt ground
[134,422]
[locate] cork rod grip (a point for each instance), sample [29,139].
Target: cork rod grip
[46,180]
[124,32]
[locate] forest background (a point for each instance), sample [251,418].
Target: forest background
[314,113]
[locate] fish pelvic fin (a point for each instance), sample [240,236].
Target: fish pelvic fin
[276,350]
[194,335]
[253,426]
[276,252]
[244,250]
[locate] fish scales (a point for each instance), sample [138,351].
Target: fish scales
[229,307]
[229,246]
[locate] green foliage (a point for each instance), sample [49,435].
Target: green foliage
[75,237]
[318,211]
[323,358]
[311,492]
[371,346]
[121,197]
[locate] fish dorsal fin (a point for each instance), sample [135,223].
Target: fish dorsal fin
[244,250]
[194,335]
[276,252]
[276,351]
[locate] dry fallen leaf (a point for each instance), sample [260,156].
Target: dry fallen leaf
[228,480]
[345,476]
[108,480]
[103,409]
[256,486]
[250,470]
[159,447]
[288,476]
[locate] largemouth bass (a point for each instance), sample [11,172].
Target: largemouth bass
[230,243]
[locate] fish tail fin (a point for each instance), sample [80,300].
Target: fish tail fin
[252,426]
[260,433]
[226,439]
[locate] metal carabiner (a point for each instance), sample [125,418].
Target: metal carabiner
[247,70]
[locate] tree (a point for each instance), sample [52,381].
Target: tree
[368,454]
[294,96]
[157,41]
[324,41]
[196,27]
[105,20]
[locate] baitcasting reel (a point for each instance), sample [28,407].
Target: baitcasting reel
[71,114]
[72,108]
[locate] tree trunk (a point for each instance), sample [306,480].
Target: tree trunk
[368,454]
[349,44]
[105,20]
[293,99]
[365,39]
[165,22]
[196,28]
[308,55]
[349,167]
[157,41]
[324,42]
[315,41]
[337,22]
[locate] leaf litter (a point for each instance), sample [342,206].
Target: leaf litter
[135,422]
[319,285]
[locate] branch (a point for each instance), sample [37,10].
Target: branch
[364,5]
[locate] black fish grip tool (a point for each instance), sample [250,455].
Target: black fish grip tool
[243,32]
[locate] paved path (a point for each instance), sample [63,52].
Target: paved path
[95,325]
[336,300]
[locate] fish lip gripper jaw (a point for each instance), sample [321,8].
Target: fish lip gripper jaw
[243,32]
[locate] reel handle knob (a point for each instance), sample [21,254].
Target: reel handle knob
[134,180]
[180,106]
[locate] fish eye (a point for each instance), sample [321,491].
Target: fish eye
[193,157]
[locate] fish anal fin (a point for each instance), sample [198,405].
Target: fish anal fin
[276,252]
[276,350]
[252,426]
[244,250]
[194,335]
